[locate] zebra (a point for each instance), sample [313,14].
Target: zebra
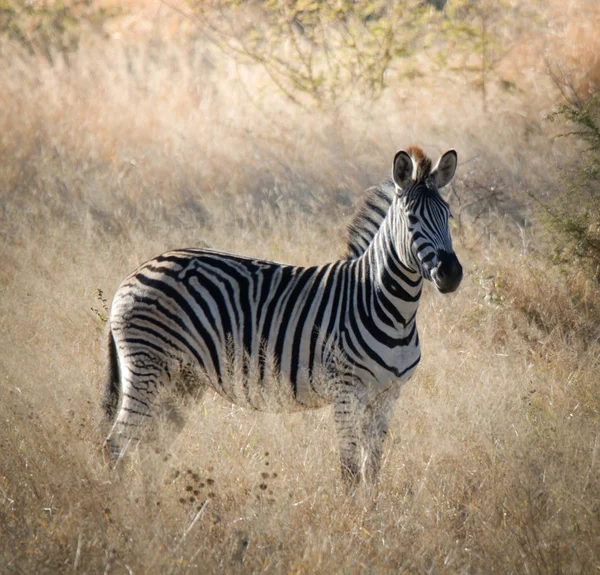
[277,337]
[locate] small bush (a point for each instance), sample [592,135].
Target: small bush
[49,27]
[573,217]
[317,49]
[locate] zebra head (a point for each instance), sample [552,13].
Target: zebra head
[423,216]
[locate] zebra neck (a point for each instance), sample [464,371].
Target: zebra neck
[395,288]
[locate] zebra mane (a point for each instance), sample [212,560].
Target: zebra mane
[375,204]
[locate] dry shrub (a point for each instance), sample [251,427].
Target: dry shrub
[573,52]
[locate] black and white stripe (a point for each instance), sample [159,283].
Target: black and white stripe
[276,337]
[369,216]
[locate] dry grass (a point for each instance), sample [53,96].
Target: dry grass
[139,147]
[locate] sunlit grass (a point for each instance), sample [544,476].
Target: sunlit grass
[491,464]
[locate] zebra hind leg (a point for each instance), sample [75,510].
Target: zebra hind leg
[143,375]
[155,391]
[188,386]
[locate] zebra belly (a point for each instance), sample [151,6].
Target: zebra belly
[274,394]
[268,382]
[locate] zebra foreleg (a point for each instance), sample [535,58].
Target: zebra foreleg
[362,426]
[376,419]
[349,448]
[349,414]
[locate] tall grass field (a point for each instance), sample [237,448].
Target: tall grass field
[130,129]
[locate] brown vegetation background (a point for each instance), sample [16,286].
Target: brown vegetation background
[146,137]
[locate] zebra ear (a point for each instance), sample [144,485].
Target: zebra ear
[403,169]
[445,168]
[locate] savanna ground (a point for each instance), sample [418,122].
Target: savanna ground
[145,137]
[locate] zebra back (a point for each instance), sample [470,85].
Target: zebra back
[375,205]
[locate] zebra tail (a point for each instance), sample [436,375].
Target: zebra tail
[112,391]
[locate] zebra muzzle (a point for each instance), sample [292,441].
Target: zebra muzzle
[448,272]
